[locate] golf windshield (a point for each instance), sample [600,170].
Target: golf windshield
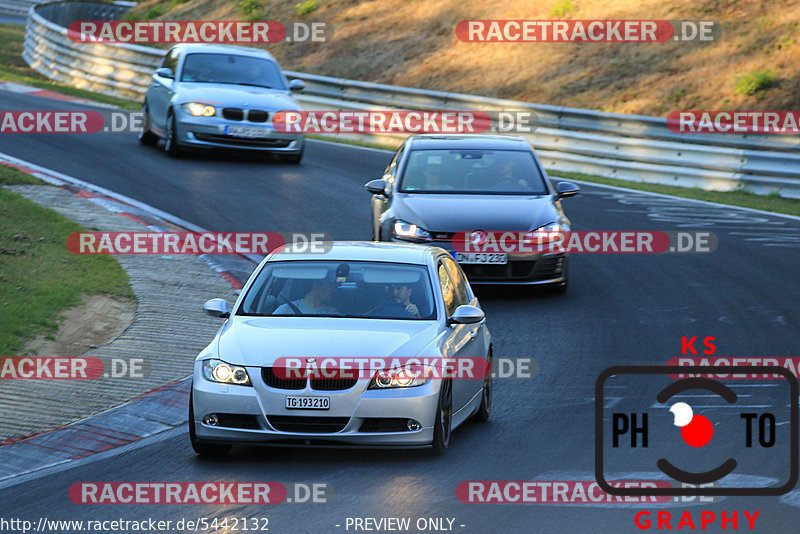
[472,171]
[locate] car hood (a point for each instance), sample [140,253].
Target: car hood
[241,96]
[258,341]
[462,213]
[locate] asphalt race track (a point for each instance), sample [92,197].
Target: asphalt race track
[620,310]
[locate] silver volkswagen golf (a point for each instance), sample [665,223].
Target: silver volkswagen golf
[367,343]
[219,96]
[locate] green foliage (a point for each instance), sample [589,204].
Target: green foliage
[155,11]
[251,9]
[306,7]
[562,7]
[754,81]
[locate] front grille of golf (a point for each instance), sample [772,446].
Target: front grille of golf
[487,271]
[307,425]
[281,381]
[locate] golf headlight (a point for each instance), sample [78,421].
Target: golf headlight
[553,231]
[411,232]
[200,110]
[404,377]
[225,373]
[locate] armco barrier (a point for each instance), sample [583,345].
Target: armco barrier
[18,7]
[628,147]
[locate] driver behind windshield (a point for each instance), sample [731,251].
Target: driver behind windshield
[314,303]
[398,303]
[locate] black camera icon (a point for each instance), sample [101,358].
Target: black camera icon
[631,431]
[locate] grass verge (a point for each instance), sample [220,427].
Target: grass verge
[39,276]
[14,69]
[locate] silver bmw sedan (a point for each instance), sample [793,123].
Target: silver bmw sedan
[367,343]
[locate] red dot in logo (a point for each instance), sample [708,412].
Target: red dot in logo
[698,432]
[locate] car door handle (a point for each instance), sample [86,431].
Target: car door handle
[474,333]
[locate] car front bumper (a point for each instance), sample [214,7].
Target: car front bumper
[257,414]
[521,269]
[209,132]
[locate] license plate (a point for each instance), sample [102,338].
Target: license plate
[308,403]
[481,257]
[246,131]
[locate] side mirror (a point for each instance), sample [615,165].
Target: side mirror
[165,72]
[378,187]
[217,308]
[466,314]
[566,189]
[296,85]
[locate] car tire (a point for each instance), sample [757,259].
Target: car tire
[145,135]
[203,449]
[485,409]
[171,137]
[443,425]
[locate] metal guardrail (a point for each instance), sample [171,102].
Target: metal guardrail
[18,7]
[628,147]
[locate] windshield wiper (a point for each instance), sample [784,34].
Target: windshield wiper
[254,85]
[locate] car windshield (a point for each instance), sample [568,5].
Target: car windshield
[500,172]
[372,290]
[232,69]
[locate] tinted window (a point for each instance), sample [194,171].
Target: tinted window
[233,69]
[358,289]
[472,171]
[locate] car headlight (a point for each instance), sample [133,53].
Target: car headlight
[411,232]
[404,377]
[225,373]
[552,231]
[200,110]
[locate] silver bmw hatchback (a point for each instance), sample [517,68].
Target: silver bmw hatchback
[378,344]
[220,96]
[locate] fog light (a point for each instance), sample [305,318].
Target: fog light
[211,419]
[413,425]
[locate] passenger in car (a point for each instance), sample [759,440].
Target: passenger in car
[314,303]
